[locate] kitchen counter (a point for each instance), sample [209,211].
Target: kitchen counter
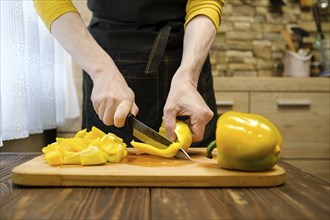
[303,196]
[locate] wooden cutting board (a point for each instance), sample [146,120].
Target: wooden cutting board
[144,170]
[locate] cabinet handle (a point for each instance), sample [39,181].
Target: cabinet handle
[225,103]
[294,103]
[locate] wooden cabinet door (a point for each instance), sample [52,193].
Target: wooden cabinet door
[302,118]
[232,101]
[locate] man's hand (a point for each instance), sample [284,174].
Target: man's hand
[112,99]
[183,98]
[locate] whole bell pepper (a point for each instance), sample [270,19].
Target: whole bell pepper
[245,141]
[184,140]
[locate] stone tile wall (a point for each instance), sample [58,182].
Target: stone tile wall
[249,42]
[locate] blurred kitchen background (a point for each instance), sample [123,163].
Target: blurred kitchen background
[270,57]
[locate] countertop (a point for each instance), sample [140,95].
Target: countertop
[303,196]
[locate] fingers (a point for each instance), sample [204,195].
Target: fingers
[170,124]
[123,109]
[107,115]
[135,109]
[112,114]
[197,124]
[197,132]
[121,112]
[198,119]
[100,109]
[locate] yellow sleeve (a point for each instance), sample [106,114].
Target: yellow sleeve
[209,8]
[50,10]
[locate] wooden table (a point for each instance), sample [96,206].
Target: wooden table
[303,196]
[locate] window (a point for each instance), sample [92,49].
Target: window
[36,83]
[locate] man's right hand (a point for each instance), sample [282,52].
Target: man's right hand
[112,99]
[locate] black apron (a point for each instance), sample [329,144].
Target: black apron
[147,49]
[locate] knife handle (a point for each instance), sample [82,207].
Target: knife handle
[128,121]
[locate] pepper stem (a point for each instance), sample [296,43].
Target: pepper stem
[210,148]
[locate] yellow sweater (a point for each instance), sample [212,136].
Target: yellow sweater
[50,10]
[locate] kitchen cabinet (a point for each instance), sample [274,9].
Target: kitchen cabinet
[238,101]
[301,118]
[299,107]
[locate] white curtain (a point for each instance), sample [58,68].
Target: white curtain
[37,90]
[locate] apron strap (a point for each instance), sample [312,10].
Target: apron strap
[158,48]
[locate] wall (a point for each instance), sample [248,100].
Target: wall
[249,42]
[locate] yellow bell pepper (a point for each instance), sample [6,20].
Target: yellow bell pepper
[71,157]
[184,140]
[54,157]
[86,148]
[92,156]
[245,141]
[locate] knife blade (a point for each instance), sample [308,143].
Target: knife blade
[150,136]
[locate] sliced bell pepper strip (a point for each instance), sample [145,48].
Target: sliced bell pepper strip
[184,140]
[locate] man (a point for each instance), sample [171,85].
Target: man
[148,58]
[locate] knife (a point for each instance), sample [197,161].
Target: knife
[150,136]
